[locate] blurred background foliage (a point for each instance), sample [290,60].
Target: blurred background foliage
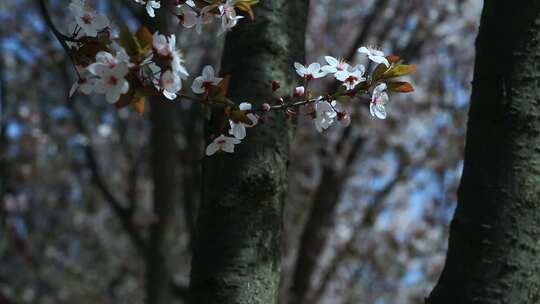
[382,191]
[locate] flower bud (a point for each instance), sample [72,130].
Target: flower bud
[299,92]
[265,107]
[275,85]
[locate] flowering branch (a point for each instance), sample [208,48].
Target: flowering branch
[129,67]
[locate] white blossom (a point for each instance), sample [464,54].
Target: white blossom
[90,22]
[310,72]
[324,115]
[85,83]
[238,129]
[222,143]
[201,83]
[229,18]
[374,55]
[378,101]
[171,84]
[190,18]
[338,67]
[164,46]
[110,72]
[112,83]
[150,6]
[352,78]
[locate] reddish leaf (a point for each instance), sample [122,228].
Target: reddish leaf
[400,87]
[138,105]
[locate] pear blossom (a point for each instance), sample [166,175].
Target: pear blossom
[90,22]
[324,114]
[229,19]
[238,129]
[352,78]
[378,101]
[309,73]
[374,55]
[201,83]
[338,67]
[222,143]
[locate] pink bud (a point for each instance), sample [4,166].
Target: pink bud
[299,92]
[280,100]
[266,107]
[275,85]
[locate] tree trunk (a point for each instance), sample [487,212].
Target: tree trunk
[494,246]
[237,241]
[163,117]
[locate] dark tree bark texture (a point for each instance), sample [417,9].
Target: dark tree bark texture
[494,246]
[237,240]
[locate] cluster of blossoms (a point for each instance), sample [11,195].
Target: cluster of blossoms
[129,67]
[326,109]
[195,14]
[125,68]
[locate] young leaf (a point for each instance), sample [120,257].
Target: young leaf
[245,6]
[400,87]
[144,39]
[138,105]
[399,70]
[128,42]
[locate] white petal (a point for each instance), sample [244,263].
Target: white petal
[364,50]
[329,69]
[314,68]
[244,106]
[211,149]
[197,85]
[228,147]
[238,130]
[112,96]
[73,89]
[380,60]
[169,95]
[253,118]
[208,72]
[331,61]
[342,75]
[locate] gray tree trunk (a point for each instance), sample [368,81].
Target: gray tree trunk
[237,241]
[494,247]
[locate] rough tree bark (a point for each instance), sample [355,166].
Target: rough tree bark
[494,247]
[236,245]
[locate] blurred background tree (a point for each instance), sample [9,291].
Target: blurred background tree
[84,195]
